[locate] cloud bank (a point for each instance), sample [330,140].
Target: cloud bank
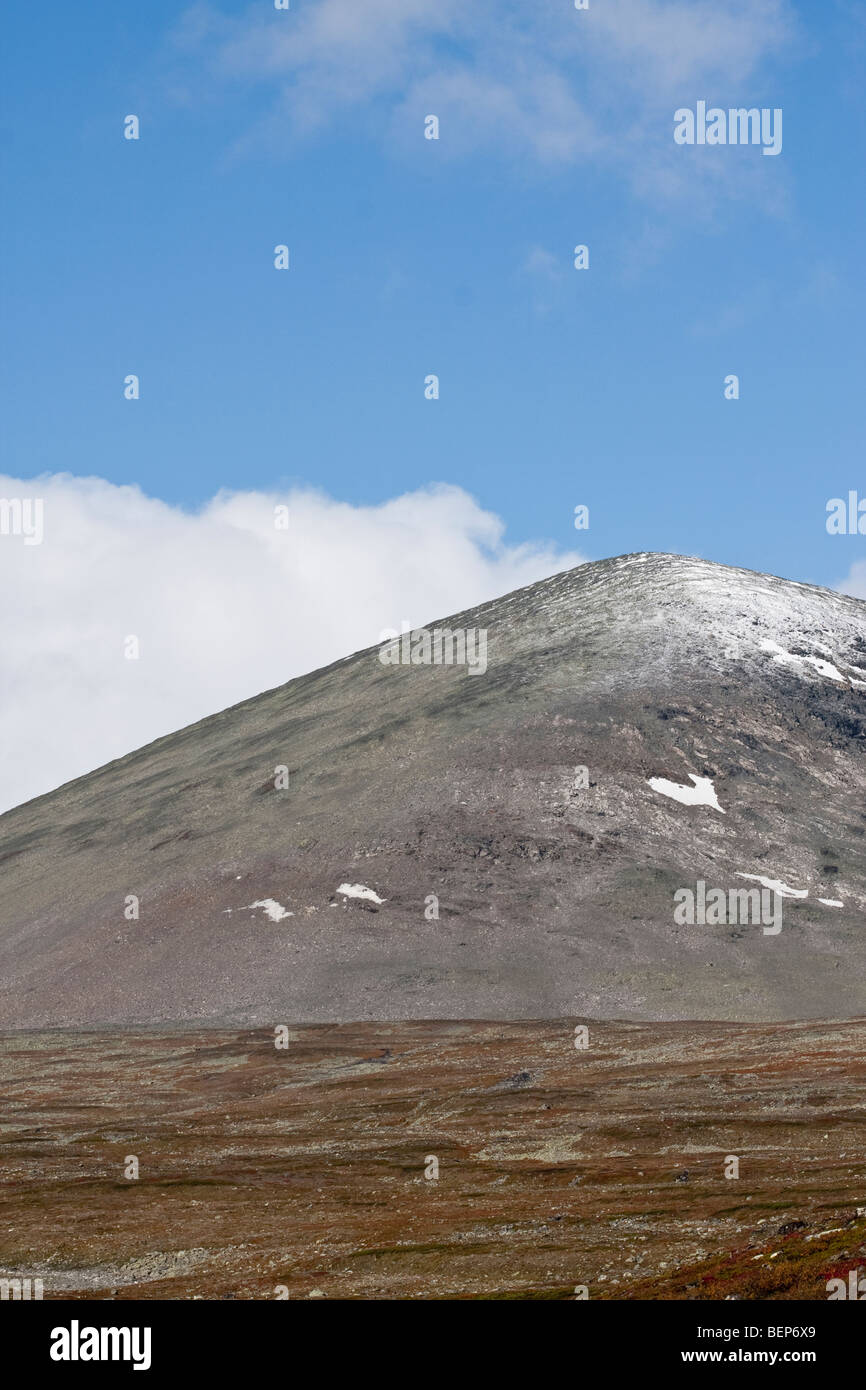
[222,603]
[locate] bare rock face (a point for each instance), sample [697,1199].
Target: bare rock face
[644,725]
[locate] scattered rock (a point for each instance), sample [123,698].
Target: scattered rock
[790,1226]
[515,1082]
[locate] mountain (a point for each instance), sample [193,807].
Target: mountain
[720,717]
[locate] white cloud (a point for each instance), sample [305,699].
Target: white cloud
[672,44]
[539,79]
[855,584]
[224,605]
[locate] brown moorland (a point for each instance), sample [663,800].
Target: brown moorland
[304,1167]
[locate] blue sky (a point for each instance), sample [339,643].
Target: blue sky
[409,256]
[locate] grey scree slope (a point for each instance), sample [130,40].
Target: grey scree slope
[427,780]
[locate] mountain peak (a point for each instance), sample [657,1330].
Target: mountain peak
[514,838]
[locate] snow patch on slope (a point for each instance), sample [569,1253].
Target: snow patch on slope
[701,794]
[273,909]
[357,890]
[777,886]
[786,658]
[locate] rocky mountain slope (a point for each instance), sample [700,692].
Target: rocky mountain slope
[720,717]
